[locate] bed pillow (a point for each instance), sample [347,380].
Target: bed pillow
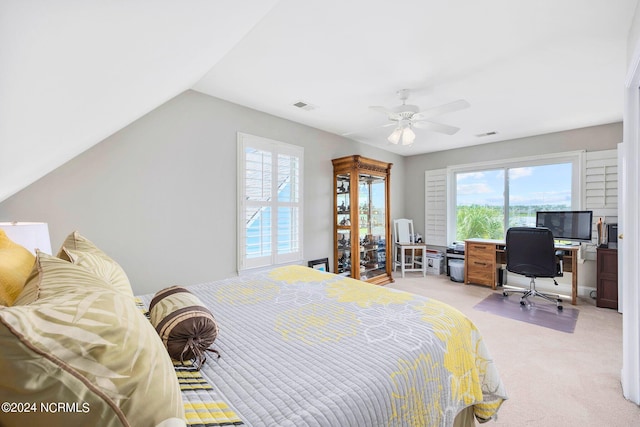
[81,251]
[16,263]
[186,327]
[83,343]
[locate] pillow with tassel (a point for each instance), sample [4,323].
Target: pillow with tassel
[187,328]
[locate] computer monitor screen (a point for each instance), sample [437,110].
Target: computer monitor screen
[567,225]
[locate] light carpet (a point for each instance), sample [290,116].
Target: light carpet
[552,378]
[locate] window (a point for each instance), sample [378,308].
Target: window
[270,202]
[490,198]
[480,204]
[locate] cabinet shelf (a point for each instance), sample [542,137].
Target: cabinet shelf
[361,196]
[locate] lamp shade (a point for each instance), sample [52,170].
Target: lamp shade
[31,235]
[394,138]
[402,135]
[408,136]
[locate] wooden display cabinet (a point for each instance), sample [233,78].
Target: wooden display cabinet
[362,231]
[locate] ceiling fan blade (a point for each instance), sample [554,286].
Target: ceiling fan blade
[460,104]
[436,127]
[368,129]
[381,109]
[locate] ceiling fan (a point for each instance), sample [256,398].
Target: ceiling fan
[406,116]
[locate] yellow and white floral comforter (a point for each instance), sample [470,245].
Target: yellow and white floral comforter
[302,347]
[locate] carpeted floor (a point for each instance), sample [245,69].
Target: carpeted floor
[553,378]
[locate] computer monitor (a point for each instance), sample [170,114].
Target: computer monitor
[575,226]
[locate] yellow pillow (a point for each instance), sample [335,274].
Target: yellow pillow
[15,265]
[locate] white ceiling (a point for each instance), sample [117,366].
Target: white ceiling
[74,72]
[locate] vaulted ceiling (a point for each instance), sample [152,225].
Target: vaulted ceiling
[73,72]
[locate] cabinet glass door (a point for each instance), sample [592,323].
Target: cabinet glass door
[372,225]
[343,221]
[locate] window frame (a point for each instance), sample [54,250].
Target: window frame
[276,148]
[577,158]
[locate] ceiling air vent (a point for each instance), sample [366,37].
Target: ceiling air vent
[304,105]
[480,135]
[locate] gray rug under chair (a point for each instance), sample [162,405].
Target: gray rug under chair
[537,311]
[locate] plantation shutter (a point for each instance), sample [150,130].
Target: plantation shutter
[601,190]
[269,202]
[435,210]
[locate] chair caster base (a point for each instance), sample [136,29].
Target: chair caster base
[524,301]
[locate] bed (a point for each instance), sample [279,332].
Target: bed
[298,347]
[301,347]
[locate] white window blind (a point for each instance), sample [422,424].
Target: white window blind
[269,202]
[435,215]
[601,189]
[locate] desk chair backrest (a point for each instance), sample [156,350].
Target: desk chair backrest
[403,230]
[531,252]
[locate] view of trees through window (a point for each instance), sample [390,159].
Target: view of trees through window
[490,201]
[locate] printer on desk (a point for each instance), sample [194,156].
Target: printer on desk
[455,258]
[456,248]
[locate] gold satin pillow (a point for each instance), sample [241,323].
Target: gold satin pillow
[16,263]
[82,342]
[79,250]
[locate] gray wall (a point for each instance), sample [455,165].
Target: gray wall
[594,138]
[159,196]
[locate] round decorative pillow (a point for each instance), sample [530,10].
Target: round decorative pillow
[187,328]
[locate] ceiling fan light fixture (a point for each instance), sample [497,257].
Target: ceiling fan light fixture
[406,116]
[394,138]
[402,135]
[408,136]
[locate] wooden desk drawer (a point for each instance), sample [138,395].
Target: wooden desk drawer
[478,249]
[480,263]
[481,278]
[487,257]
[480,271]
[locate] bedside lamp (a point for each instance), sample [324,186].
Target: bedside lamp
[31,235]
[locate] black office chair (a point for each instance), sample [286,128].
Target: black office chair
[531,252]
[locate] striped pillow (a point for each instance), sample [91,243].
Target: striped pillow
[187,328]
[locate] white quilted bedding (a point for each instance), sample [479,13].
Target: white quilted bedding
[302,347]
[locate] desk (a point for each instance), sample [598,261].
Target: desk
[484,256]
